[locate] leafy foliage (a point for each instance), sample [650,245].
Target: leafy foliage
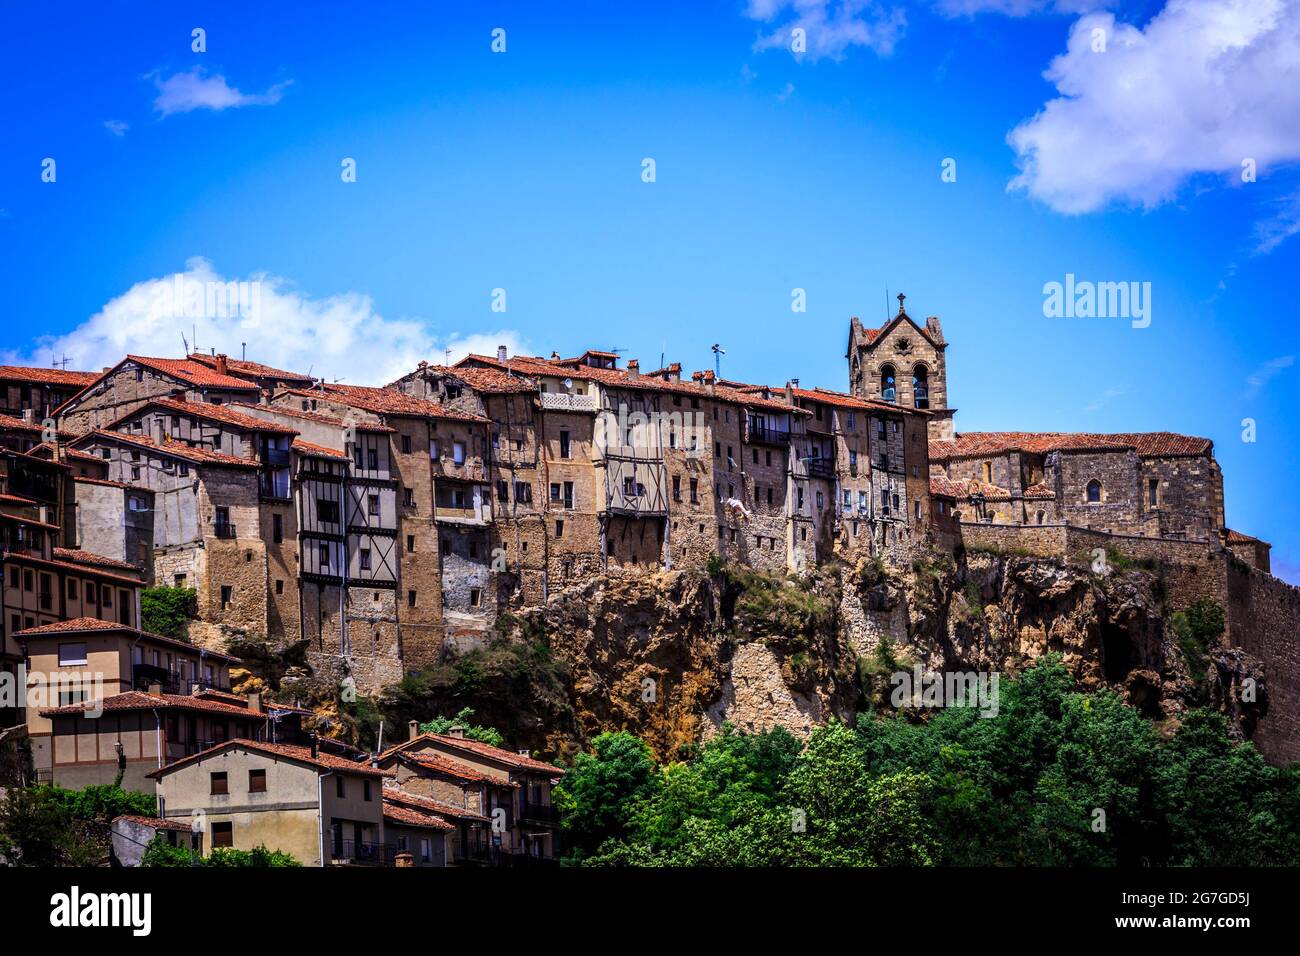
[1057,778]
[161,853]
[1198,628]
[465,719]
[167,610]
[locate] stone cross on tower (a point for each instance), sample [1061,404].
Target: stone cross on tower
[901,297]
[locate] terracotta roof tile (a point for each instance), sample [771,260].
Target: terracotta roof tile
[440,763]
[70,566]
[176,449]
[156,822]
[291,412]
[516,760]
[10,423]
[134,700]
[312,450]
[1146,444]
[384,401]
[194,373]
[321,761]
[397,795]
[488,380]
[411,817]
[242,368]
[82,625]
[1236,537]
[226,414]
[944,488]
[47,376]
[86,557]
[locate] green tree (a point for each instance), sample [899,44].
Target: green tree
[598,796]
[465,719]
[167,610]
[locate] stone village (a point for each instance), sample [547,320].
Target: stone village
[388,527]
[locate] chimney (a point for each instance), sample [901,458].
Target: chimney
[789,393]
[525,753]
[501,353]
[413,729]
[315,752]
[555,356]
[29,416]
[155,689]
[255,703]
[708,380]
[457,731]
[675,372]
[634,369]
[223,367]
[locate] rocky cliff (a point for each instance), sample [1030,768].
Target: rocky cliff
[670,656]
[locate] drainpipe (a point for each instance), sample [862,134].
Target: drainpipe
[320,812]
[157,735]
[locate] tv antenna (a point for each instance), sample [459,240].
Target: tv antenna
[718,352]
[60,363]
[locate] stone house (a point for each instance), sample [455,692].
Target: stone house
[137,378]
[88,659]
[34,393]
[321,809]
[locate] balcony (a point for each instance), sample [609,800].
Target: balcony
[767,435]
[821,468]
[275,457]
[540,812]
[354,853]
[565,402]
[223,529]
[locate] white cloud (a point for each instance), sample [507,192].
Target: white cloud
[1018,8]
[116,127]
[340,336]
[1279,227]
[1204,86]
[183,92]
[1104,399]
[1257,379]
[831,27]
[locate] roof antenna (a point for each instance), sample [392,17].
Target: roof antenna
[243,351]
[718,352]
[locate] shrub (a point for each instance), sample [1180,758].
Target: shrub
[166,610]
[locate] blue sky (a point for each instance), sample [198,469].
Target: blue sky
[774,171]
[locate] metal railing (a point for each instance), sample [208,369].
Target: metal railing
[364,853]
[223,529]
[767,435]
[544,812]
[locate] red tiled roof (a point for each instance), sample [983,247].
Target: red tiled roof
[411,817]
[509,757]
[156,822]
[439,763]
[944,488]
[200,456]
[384,401]
[1039,490]
[134,700]
[17,500]
[195,373]
[312,450]
[1236,537]
[618,378]
[67,452]
[396,795]
[111,484]
[47,376]
[291,412]
[245,369]
[86,557]
[20,557]
[321,761]
[10,423]
[1146,444]
[82,625]
[488,380]
[217,413]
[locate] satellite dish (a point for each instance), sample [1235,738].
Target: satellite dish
[568,384]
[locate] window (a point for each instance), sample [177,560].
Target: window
[410,599]
[223,835]
[920,387]
[372,504]
[769,457]
[227,592]
[555,491]
[408,497]
[328,511]
[410,543]
[340,790]
[821,502]
[523,493]
[559,527]
[1153,491]
[372,459]
[568,495]
[887,390]
[475,597]
[564,443]
[72,589]
[364,558]
[277,528]
[458,452]
[755,456]
[365,790]
[257,781]
[279,586]
[1094,492]
[220,783]
[852,418]
[503,490]
[72,654]
[426,850]
[91,592]
[406,444]
[106,597]
[677,487]
[695,491]
[324,556]
[987,469]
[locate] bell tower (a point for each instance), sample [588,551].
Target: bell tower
[905,364]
